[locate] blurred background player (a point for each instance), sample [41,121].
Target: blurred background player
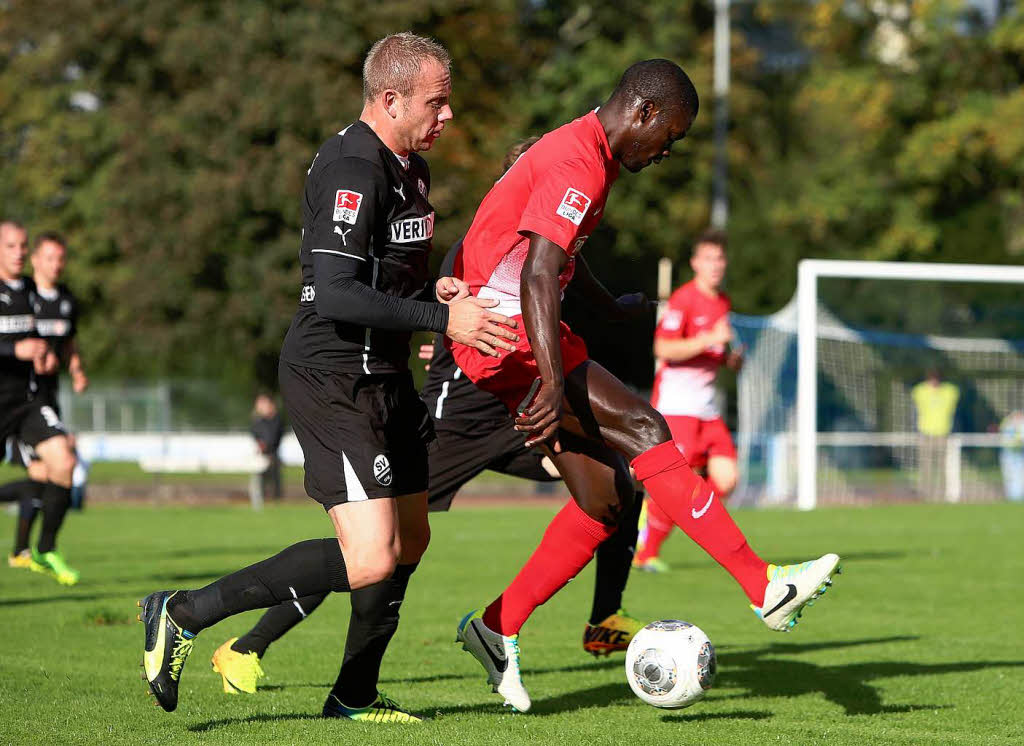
[690,345]
[56,314]
[474,434]
[26,417]
[267,430]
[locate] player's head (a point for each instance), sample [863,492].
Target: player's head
[407,84]
[49,253]
[264,406]
[708,259]
[13,248]
[656,103]
[515,151]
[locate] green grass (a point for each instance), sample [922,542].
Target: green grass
[919,642]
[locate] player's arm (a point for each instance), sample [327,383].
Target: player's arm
[79,381]
[601,301]
[684,348]
[542,310]
[29,348]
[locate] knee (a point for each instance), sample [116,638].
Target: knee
[60,465]
[649,428]
[370,565]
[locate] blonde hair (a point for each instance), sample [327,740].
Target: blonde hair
[394,62]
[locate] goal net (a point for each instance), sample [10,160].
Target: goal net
[839,402]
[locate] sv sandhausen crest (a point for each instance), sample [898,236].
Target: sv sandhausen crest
[382,470]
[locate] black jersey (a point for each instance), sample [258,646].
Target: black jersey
[56,313]
[17,321]
[361,201]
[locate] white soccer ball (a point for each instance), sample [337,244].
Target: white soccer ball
[670,664]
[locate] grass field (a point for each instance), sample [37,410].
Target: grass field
[920,640]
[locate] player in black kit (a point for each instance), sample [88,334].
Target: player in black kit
[56,315]
[26,417]
[367,228]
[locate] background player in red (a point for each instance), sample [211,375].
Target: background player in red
[690,345]
[522,250]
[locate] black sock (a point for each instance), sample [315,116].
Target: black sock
[614,557]
[275,622]
[12,491]
[56,501]
[373,624]
[31,499]
[304,569]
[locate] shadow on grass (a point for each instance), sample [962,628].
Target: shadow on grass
[769,672]
[57,599]
[264,718]
[698,717]
[596,696]
[585,666]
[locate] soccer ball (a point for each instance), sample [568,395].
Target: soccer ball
[670,664]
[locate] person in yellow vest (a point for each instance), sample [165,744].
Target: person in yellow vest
[935,401]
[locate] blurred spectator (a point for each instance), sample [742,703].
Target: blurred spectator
[935,401]
[1011,455]
[268,430]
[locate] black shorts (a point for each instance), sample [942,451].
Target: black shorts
[463,453]
[24,426]
[362,436]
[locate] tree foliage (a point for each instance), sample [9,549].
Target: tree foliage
[859,129]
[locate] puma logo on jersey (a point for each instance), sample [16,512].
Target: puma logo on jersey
[343,234]
[400,190]
[412,229]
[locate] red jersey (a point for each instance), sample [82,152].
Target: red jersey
[688,387]
[556,189]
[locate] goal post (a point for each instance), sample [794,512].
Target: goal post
[809,273]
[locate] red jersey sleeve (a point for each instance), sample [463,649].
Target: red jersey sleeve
[673,321]
[560,200]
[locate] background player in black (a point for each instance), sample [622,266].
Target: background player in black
[56,316]
[24,416]
[344,373]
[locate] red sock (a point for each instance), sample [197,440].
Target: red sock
[657,526]
[692,506]
[568,545]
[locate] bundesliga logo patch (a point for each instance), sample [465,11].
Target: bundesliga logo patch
[346,206]
[574,206]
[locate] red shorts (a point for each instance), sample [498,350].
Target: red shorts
[510,376]
[701,439]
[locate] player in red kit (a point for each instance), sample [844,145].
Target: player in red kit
[522,249]
[690,345]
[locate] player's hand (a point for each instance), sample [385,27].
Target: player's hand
[79,381]
[542,417]
[634,306]
[426,353]
[721,333]
[29,349]
[46,364]
[451,289]
[471,324]
[734,360]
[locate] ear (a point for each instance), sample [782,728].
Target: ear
[389,100]
[646,111]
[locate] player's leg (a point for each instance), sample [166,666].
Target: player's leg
[602,488]
[722,471]
[599,403]
[375,616]
[657,525]
[28,508]
[610,628]
[58,458]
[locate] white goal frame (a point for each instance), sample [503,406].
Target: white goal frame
[808,274]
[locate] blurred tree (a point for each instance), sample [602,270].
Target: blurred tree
[170,141]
